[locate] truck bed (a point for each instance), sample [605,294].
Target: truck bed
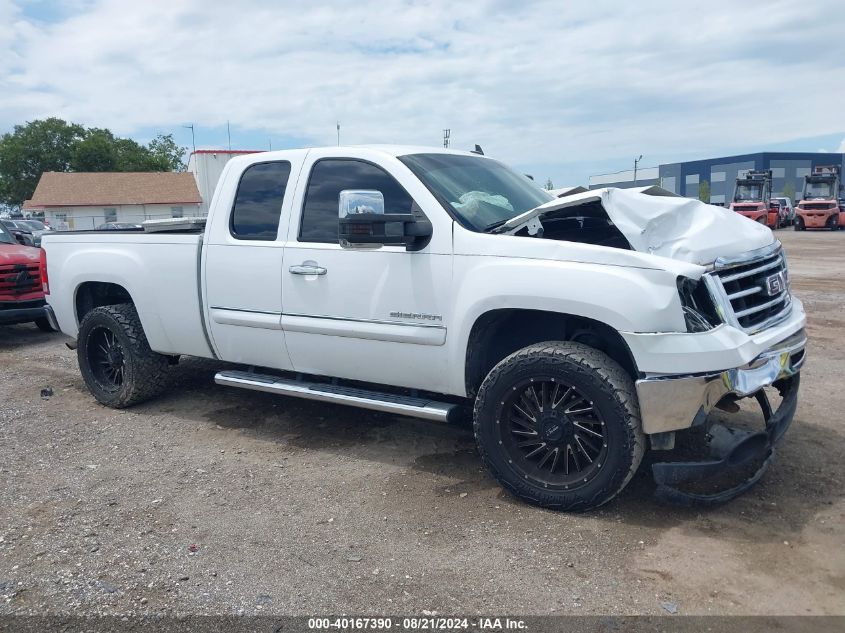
[160,271]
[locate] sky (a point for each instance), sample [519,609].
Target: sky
[561,90]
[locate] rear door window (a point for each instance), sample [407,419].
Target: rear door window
[258,201]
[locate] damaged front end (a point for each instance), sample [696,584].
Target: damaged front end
[736,305]
[737,459]
[729,459]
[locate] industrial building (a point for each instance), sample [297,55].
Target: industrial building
[720,174]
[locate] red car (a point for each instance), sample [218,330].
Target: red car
[21,285]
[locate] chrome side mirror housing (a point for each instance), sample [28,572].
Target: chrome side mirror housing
[363,223]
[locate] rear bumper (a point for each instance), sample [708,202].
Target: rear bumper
[671,403]
[23,312]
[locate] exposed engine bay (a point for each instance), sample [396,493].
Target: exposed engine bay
[587,223]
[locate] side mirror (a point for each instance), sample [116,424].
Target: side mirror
[362,222]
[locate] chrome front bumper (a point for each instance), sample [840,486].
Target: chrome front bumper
[675,402]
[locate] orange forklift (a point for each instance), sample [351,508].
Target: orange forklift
[752,199]
[821,207]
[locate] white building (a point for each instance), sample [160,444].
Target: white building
[207,165]
[85,200]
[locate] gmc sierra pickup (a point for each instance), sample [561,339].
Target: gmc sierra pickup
[418,281]
[21,292]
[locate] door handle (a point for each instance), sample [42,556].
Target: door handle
[308,269]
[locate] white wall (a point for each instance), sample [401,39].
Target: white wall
[207,168]
[86,218]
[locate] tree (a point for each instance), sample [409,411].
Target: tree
[55,145]
[31,149]
[789,190]
[549,185]
[95,152]
[132,156]
[704,191]
[167,153]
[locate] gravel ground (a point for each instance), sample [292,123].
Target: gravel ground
[221,501]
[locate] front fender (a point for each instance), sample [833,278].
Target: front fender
[624,298]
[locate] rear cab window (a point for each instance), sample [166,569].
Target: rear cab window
[257,209]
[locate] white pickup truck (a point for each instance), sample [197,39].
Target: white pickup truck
[417,281]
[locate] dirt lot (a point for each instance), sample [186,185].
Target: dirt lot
[214,500]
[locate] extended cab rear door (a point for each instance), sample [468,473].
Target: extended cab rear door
[379,315]
[243,257]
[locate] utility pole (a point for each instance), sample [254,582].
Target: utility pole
[338,133]
[636,161]
[228,134]
[446,134]
[193,140]
[270,142]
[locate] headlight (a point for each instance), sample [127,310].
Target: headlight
[700,312]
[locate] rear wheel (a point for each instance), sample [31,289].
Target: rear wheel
[115,358]
[558,425]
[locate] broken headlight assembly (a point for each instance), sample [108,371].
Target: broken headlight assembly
[700,312]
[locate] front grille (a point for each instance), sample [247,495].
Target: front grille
[756,289]
[746,207]
[19,279]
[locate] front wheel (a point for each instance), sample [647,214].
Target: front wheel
[558,425]
[115,358]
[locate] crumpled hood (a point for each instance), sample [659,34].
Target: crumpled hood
[658,222]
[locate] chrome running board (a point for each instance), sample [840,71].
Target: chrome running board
[374,400]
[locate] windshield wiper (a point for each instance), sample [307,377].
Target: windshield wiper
[491,228]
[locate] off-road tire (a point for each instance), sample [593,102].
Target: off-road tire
[44,325]
[145,371]
[596,375]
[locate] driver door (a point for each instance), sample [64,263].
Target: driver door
[379,314]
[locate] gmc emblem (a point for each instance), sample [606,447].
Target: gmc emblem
[22,278]
[775,284]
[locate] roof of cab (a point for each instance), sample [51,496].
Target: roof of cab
[387,150]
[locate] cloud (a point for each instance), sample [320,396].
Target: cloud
[537,82]
[841,148]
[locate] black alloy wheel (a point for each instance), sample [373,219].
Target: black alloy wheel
[115,358]
[106,356]
[557,424]
[553,432]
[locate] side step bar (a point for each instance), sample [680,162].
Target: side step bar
[377,401]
